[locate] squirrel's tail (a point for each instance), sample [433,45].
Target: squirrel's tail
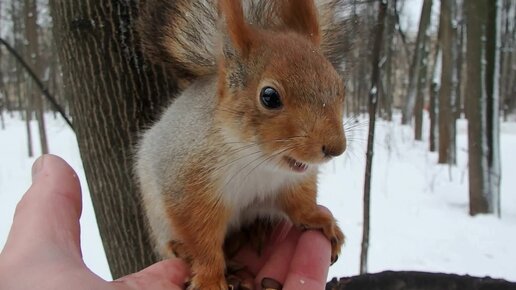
[182,34]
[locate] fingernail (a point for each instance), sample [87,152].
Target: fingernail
[271,284]
[37,167]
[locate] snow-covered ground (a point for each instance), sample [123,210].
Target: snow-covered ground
[420,215]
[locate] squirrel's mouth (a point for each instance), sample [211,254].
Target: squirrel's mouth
[295,165]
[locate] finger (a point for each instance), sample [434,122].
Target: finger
[310,263]
[49,212]
[277,265]
[169,274]
[253,261]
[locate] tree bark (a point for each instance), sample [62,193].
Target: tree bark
[4,100]
[410,101]
[459,35]
[373,108]
[34,59]
[386,84]
[434,92]
[506,61]
[483,150]
[28,117]
[114,93]
[493,44]
[448,81]
[421,89]
[2,119]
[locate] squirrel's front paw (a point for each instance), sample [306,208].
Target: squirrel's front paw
[337,240]
[328,226]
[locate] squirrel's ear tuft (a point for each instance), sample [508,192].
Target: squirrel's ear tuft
[237,30]
[301,16]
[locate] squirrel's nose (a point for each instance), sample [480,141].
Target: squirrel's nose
[334,148]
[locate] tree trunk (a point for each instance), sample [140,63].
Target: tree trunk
[483,148]
[114,94]
[4,99]
[493,44]
[424,23]
[386,84]
[34,59]
[2,119]
[421,89]
[3,90]
[506,58]
[30,151]
[16,17]
[373,107]
[434,93]
[448,81]
[459,35]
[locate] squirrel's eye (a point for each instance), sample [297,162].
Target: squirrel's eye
[270,98]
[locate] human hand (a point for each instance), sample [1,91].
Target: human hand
[43,248]
[293,258]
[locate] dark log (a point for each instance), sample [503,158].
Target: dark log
[390,280]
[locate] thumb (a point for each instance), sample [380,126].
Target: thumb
[169,274]
[48,214]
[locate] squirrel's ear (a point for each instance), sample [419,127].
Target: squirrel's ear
[238,31]
[301,16]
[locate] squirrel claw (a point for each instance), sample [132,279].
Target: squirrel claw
[334,259]
[233,283]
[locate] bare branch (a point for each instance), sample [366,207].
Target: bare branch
[38,82]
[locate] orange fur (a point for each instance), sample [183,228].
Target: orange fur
[301,16]
[237,28]
[299,203]
[275,59]
[306,128]
[201,220]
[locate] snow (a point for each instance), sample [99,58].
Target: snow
[419,209]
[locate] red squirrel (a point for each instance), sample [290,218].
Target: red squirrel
[262,109]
